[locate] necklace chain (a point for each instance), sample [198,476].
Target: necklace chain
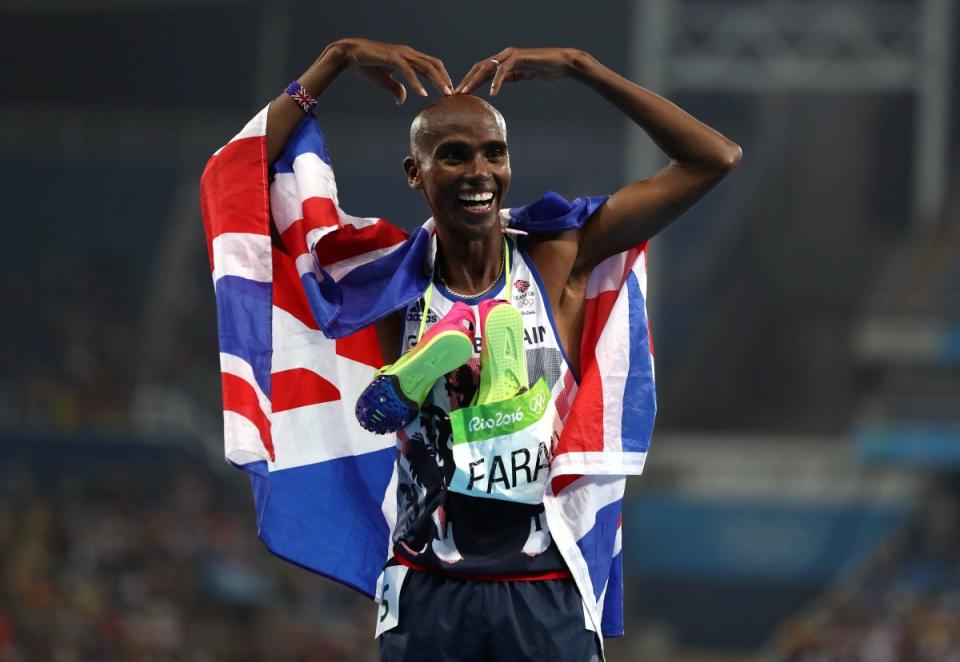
[477,294]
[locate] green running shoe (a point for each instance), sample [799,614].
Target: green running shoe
[394,396]
[503,359]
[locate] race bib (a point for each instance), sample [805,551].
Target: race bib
[503,450]
[388,602]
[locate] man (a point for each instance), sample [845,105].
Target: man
[483,578]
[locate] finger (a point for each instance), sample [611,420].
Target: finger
[504,70]
[430,67]
[466,84]
[407,72]
[433,70]
[482,71]
[446,75]
[382,78]
[442,72]
[479,74]
[395,88]
[463,81]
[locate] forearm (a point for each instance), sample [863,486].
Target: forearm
[682,137]
[285,114]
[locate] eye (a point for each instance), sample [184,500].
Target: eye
[496,153]
[451,155]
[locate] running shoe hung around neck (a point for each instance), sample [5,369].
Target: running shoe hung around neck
[394,396]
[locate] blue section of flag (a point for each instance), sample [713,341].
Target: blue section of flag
[640,399]
[554,213]
[327,516]
[306,138]
[611,622]
[373,290]
[597,544]
[323,296]
[244,317]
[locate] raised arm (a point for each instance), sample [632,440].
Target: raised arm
[699,156]
[373,60]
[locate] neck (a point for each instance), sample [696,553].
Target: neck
[471,265]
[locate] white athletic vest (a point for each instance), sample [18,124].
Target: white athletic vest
[446,532]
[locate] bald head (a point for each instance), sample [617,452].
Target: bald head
[459,148]
[448,115]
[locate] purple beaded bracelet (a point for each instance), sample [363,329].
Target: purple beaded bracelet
[301,96]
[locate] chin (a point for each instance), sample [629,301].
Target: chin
[484,223]
[461,221]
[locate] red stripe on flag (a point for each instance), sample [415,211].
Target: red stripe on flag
[288,292]
[561,482]
[583,429]
[350,241]
[362,347]
[300,387]
[240,397]
[317,213]
[595,317]
[233,191]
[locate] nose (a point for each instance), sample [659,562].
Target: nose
[478,168]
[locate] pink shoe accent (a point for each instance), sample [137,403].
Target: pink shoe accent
[459,318]
[486,306]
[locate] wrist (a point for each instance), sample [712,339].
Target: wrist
[581,65]
[335,54]
[331,63]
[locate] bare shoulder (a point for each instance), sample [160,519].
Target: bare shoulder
[554,256]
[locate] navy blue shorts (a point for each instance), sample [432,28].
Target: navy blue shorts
[442,618]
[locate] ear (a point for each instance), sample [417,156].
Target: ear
[413,173]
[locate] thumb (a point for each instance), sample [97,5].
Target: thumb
[382,78]
[396,88]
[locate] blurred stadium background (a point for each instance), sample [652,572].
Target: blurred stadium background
[802,495]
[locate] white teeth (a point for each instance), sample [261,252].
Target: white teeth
[476,197]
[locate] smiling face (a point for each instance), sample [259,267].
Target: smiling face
[461,164]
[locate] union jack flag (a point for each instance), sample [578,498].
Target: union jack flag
[298,282]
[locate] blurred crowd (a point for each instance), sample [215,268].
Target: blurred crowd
[906,605]
[119,563]
[81,345]
[72,323]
